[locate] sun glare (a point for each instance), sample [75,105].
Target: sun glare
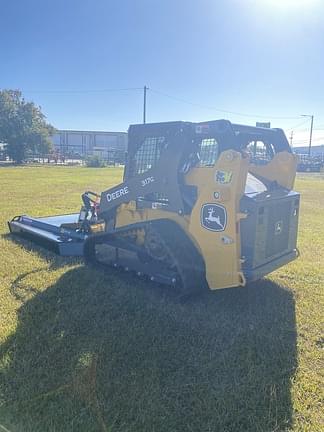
[291,4]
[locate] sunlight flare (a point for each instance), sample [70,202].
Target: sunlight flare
[291,4]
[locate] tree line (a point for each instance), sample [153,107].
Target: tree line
[23,127]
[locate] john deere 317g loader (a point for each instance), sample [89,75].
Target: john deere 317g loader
[200,202]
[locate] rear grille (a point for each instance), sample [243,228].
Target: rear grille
[278,228]
[270,230]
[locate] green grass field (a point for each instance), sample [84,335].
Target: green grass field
[86,351]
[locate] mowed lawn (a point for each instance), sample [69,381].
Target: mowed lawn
[85,351]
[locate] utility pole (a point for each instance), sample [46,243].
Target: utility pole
[291,138]
[144,105]
[310,136]
[311,132]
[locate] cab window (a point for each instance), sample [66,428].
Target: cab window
[260,152]
[147,155]
[208,152]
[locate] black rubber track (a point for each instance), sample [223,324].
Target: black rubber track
[189,264]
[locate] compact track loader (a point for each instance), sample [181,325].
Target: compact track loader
[200,202]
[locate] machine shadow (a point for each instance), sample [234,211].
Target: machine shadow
[93,354]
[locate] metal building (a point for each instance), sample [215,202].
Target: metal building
[107,145]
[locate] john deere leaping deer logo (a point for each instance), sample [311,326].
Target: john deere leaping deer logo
[213,217]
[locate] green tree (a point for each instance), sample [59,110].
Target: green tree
[23,126]
[95,161]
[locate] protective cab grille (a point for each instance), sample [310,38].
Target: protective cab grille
[270,230]
[147,155]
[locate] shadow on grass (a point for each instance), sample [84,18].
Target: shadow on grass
[99,353]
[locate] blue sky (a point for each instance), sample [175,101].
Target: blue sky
[260,58]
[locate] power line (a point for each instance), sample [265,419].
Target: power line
[221,110]
[83,91]
[306,130]
[106,90]
[306,142]
[298,124]
[318,139]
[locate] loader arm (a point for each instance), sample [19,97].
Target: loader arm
[282,164]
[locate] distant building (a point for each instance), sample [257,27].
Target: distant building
[312,163]
[107,145]
[3,153]
[316,150]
